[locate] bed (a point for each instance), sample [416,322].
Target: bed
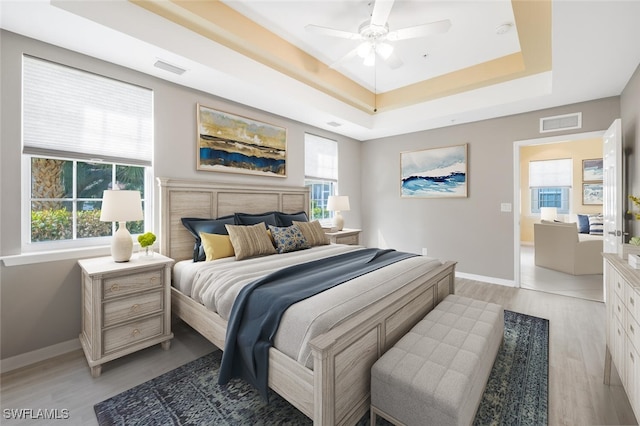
[333,386]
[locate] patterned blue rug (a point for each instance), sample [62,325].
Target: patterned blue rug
[516,392]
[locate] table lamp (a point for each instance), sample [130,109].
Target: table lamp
[121,206]
[548,213]
[337,204]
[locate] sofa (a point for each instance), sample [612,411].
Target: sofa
[560,247]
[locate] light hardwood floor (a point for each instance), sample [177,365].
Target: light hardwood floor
[537,278]
[577,395]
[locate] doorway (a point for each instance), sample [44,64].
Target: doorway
[527,274]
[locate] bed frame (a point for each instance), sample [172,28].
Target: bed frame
[336,391]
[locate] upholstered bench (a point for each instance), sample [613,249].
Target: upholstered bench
[437,372]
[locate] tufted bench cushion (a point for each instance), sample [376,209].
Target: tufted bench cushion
[437,372]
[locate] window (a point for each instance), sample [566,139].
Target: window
[82,134]
[321,173]
[550,184]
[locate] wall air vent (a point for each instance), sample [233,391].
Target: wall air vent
[561,122]
[168,67]
[334,124]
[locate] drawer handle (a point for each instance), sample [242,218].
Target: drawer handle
[631,356]
[618,285]
[618,308]
[135,307]
[631,300]
[115,287]
[631,328]
[154,279]
[135,332]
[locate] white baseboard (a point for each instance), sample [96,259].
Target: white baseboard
[490,280]
[38,355]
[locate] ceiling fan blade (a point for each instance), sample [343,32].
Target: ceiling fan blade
[353,53]
[424,30]
[380,13]
[332,32]
[393,61]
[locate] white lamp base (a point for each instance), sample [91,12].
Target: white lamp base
[121,244]
[338,221]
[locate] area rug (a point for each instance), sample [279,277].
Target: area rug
[516,392]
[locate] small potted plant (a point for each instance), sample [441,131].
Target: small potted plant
[146,241]
[633,247]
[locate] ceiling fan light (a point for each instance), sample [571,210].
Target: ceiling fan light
[370,60]
[384,50]
[364,49]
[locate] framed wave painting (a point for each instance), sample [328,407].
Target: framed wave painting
[434,173]
[231,143]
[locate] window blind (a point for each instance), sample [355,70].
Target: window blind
[551,173]
[320,158]
[72,113]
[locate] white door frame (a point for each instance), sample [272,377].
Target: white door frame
[516,186]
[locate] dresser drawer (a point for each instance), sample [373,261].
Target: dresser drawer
[128,308]
[117,286]
[632,301]
[128,334]
[633,331]
[619,309]
[618,284]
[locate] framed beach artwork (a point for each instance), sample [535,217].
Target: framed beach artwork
[236,144]
[592,194]
[592,170]
[434,173]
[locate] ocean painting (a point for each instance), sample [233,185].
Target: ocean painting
[434,173]
[592,170]
[231,143]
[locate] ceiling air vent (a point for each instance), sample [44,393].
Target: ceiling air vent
[561,122]
[168,67]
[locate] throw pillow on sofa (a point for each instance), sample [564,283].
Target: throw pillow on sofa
[596,224]
[583,223]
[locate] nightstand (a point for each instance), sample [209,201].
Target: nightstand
[125,307]
[346,236]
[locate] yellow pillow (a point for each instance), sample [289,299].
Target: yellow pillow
[216,246]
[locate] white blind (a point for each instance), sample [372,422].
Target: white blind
[320,157]
[77,114]
[551,173]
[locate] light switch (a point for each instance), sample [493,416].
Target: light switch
[505,207]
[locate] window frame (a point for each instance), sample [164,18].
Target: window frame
[565,202]
[28,246]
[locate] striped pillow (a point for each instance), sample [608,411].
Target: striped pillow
[596,224]
[250,240]
[313,233]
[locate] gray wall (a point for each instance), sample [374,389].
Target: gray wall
[40,303]
[630,114]
[472,230]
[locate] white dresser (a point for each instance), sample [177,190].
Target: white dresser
[125,307]
[623,326]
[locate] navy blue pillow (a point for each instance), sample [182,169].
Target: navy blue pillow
[286,219]
[252,219]
[197,225]
[583,223]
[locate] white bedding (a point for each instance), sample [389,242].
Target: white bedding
[216,284]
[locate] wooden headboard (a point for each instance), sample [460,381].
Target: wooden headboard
[206,199]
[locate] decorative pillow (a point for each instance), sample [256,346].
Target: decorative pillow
[288,238]
[216,246]
[313,233]
[286,219]
[197,225]
[250,240]
[583,223]
[252,219]
[596,224]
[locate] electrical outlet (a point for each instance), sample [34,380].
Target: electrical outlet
[505,207]
[424,251]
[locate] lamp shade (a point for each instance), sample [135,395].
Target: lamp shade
[548,213]
[338,203]
[121,206]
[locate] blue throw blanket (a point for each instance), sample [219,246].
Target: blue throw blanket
[259,306]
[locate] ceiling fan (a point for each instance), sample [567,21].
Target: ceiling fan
[375,35]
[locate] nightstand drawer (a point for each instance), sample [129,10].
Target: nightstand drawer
[118,286]
[349,239]
[128,334]
[120,310]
